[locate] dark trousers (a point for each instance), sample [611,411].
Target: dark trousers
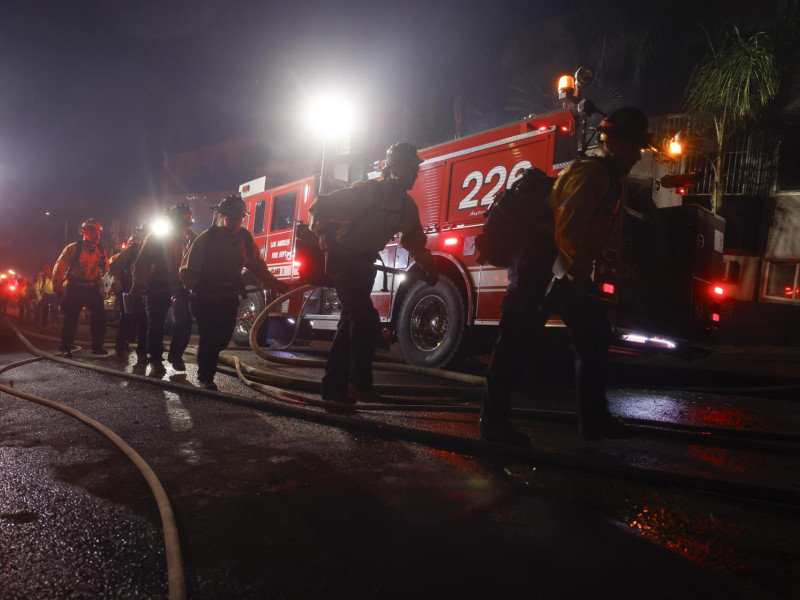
[216,318]
[75,298]
[132,327]
[48,304]
[350,359]
[520,324]
[156,306]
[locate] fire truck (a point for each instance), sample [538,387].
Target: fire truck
[659,276]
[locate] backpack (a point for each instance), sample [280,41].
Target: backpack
[519,219]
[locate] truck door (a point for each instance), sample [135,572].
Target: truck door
[280,229]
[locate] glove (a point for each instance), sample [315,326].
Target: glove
[280,287]
[426,263]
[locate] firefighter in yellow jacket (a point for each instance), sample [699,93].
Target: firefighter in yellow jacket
[77,281]
[353,225]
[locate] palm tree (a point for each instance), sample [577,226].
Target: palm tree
[730,89]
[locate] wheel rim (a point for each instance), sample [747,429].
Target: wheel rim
[429,322]
[245,317]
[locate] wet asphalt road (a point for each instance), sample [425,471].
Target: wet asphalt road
[275,507]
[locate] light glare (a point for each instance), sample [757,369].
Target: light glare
[332,113]
[160,227]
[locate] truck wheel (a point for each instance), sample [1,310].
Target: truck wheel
[431,324]
[249,308]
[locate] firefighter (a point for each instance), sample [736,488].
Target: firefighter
[78,282]
[155,275]
[353,225]
[212,271]
[587,204]
[5,293]
[23,300]
[131,326]
[46,301]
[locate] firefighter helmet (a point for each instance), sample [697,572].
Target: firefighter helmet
[90,230]
[402,153]
[180,213]
[232,205]
[91,224]
[626,124]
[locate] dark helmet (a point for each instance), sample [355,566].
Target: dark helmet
[626,124]
[232,205]
[180,213]
[402,153]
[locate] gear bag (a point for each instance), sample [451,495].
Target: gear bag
[519,219]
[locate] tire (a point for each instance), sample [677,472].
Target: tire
[432,323]
[249,308]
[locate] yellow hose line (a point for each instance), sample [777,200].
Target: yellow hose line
[175,572]
[472,380]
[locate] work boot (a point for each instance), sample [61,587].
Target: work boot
[503,432]
[67,354]
[157,368]
[358,393]
[120,351]
[100,352]
[338,396]
[209,385]
[178,364]
[141,361]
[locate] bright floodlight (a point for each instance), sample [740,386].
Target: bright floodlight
[160,227]
[331,113]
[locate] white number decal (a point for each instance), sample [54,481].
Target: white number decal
[499,172]
[475,180]
[468,202]
[516,172]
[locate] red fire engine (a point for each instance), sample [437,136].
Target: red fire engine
[658,277]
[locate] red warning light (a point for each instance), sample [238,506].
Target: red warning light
[543,128]
[608,288]
[681,191]
[718,290]
[451,241]
[12,287]
[123,245]
[715,317]
[564,128]
[297,264]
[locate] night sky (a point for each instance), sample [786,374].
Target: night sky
[95,93]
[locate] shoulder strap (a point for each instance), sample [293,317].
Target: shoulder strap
[76,257]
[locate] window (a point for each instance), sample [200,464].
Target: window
[258,217]
[782,281]
[283,209]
